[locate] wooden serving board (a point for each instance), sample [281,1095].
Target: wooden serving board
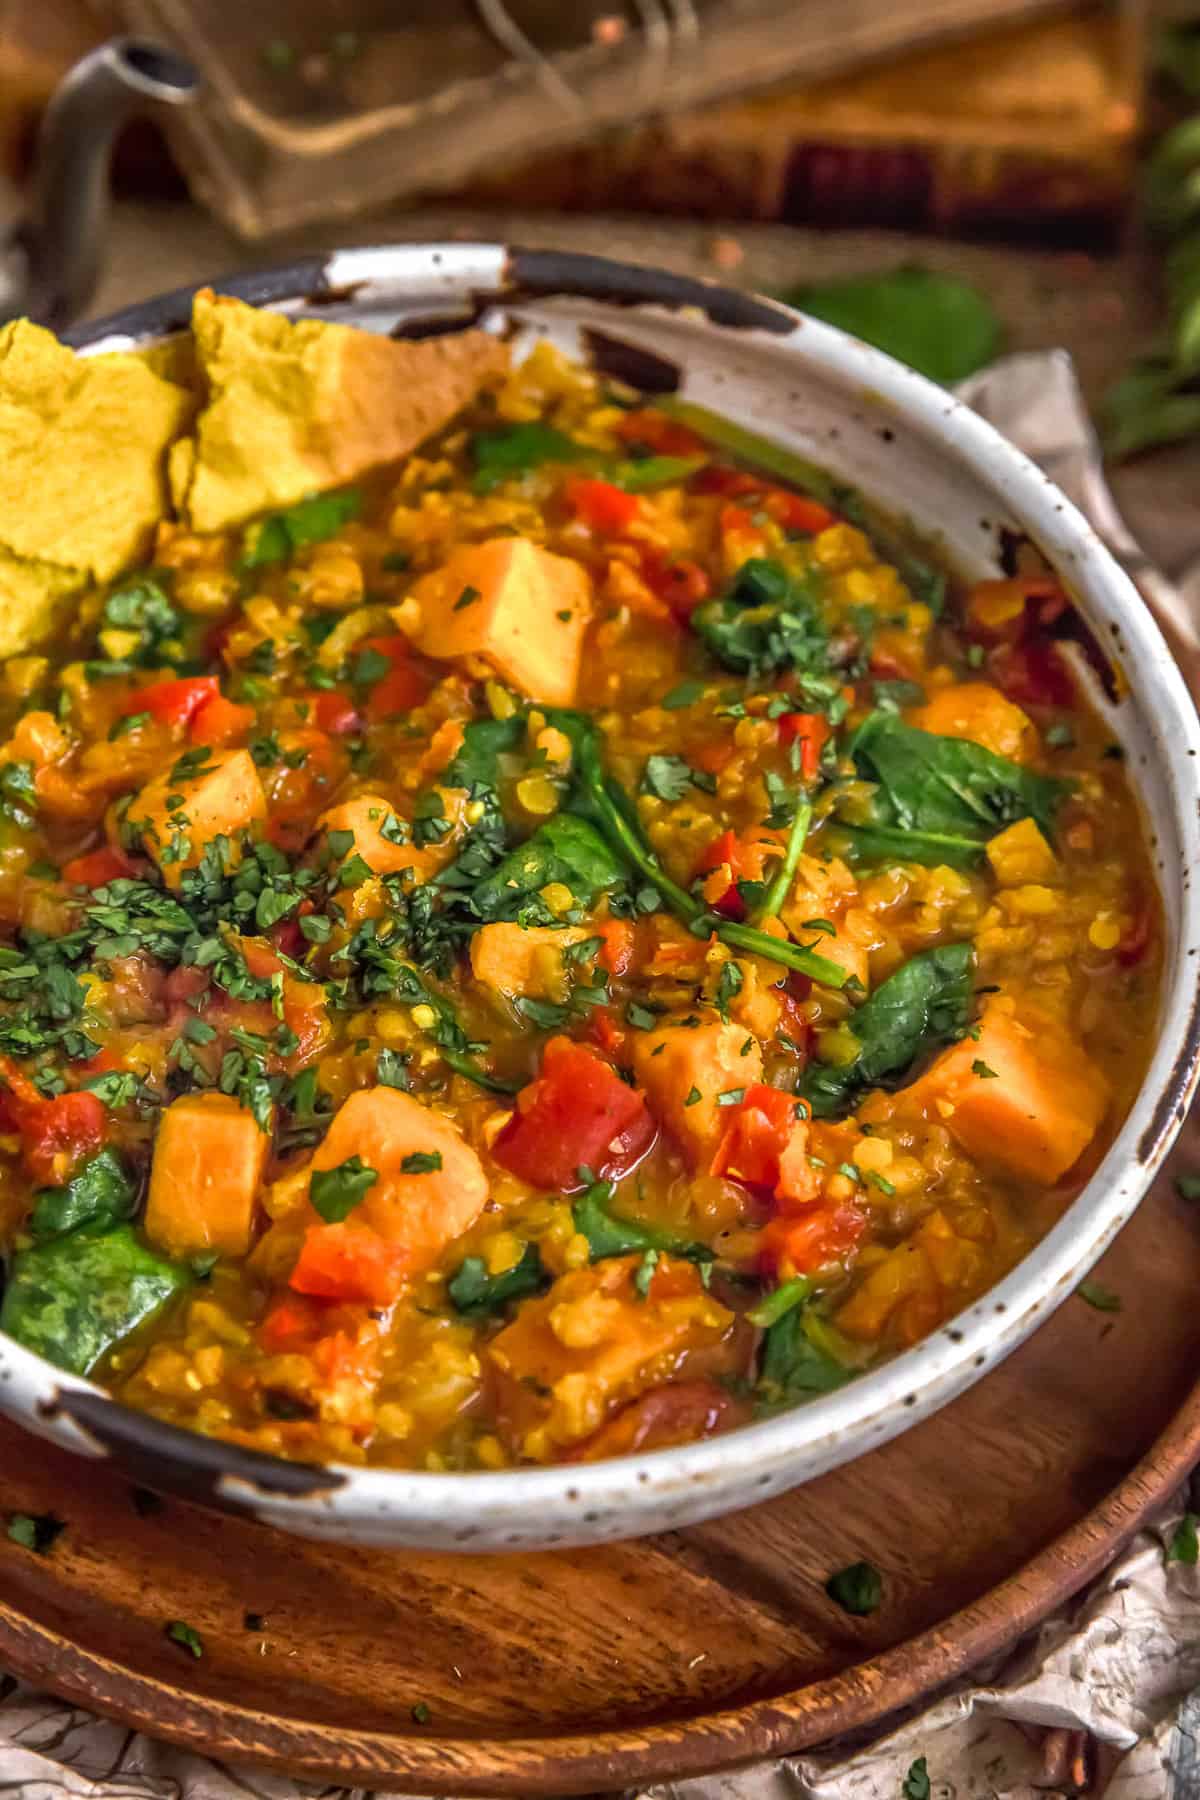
[575,1671]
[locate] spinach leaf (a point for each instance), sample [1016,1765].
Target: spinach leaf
[767,621]
[925,1004]
[940,796]
[608,1234]
[74,1299]
[512,450]
[336,1192]
[477,1295]
[310,521]
[565,849]
[101,1193]
[795,1361]
[595,795]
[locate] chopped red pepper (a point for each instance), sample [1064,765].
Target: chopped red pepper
[677,581]
[1032,673]
[796,512]
[1137,937]
[745,858]
[218,720]
[600,505]
[347,1261]
[337,714]
[811,732]
[616,953]
[577,1114]
[96,867]
[657,432]
[173,702]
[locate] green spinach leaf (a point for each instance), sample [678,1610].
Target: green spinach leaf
[796,1361]
[100,1193]
[73,1299]
[310,521]
[565,849]
[925,1004]
[940,799]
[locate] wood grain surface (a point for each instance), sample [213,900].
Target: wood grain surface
[578,1670]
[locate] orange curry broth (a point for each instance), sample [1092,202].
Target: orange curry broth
[339,1337]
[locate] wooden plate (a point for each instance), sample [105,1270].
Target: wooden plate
[574,1671]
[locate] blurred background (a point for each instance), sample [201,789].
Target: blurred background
[949,178]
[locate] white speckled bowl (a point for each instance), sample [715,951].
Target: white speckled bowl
[918,452]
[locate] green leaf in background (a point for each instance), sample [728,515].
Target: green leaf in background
[939,325]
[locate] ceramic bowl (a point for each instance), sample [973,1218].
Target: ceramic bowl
[918,452]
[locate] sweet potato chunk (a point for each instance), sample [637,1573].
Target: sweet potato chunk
[367,817]
[676,1062]
[223,799]
[1020,855]
[208,1162]
[524,960]
[592,1344]
[419,1210]
[978,711]
[1021,1097]
[526,619]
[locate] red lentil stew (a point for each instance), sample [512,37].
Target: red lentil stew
[575,940]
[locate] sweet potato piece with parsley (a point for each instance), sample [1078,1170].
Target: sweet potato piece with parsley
[979,712]
[430,1186]
[208,1163]
[1021,1096]
[179,815]
[372,822]
[524,961]
[516,608]
[685,1071]
[595,1342]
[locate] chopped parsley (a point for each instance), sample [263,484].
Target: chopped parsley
[336,1192]
[857,1589]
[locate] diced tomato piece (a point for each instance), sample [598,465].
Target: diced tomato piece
[731,483]
[678,582]
[577,1114]
[57,1135]
[796,512]
[616,954]
[337,713]
[95,868]
[174,702]
[293,1322]
[403,687]
[798,1243]
[811,732]
[600,505]
[756,1136]
[219,720]
[340,1358]
[350,1262]
[657,432]
[1032,674]
[304,1007]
